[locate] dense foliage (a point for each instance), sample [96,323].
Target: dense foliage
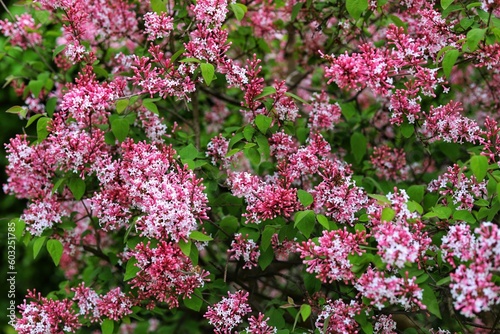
[258,166]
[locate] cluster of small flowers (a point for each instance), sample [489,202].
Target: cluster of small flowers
[153,125]
[46,316]
[471,285]
[217,148]
[323,115]
[259,325]
[170,196]
[491,140]
[244,249]
[390,163]
[157,26]
[283,249]
[165,274]
[394,290]
[282,145]
[329,258]
[113,305]
[264,200]
[158,75]
[210,12]
[446,123]
[229,312]
[23,32]
[337,317]
[402,239]
[207,44]
[384,325]
[462,189]
[491,6]
[284,106]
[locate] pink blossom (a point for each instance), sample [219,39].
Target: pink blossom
[337,317]
[458,242]
[165,274]
[229,312]
[282,145]
[394,290]
[244,249]
[462,189]
[44,315]
[259,325]
[157,26]
[217,149]
[384,325]
[390,163]
[210,12]
[23,32]
[323,115]
[329,258]
[115,304]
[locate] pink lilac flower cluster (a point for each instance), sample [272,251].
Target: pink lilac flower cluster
[244,249]
[157,26]
[384,325]
[329,258]
[390,163]
[446,123]
[23,32]
[44,315]
[282,249]
[217,149]
[284,106]
[210,12]
[113,305]
[169,197]
[258,325]
[462,189]
[229,312]
[472,287]
[157,75]
[337,317]
[264,200]
[491,140]
[165,274]
[402,239]
[323,115]
[381,289]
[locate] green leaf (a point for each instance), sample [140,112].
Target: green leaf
[239,10]
[416,193]
[151,106]
[449,61]
[19,228]
[358,146]
[55,249]
[194,303]
[21,111]
[50,106]
[443,212]
[37,246]
[268,90]
[121,105]
[58,50]
[41,128]
[263,123]
[107,326]
[305,221]
[479,166]
[296,9]
[131,270]
[381,198]
[444,281]
[189,152]
[266,258]
[33,119]
[190,60]
[388,214]
[42,16]
[296,97]
[446,3]
[407,129]
[185,247]
[158,6]
[429,299]
[305,198]
[305,311]
[207,72]
[120,128]
[464,215]
[198,236]
[356,7]
[248,132]
[77,187]
[36,86]
[253,155]
[474,36]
